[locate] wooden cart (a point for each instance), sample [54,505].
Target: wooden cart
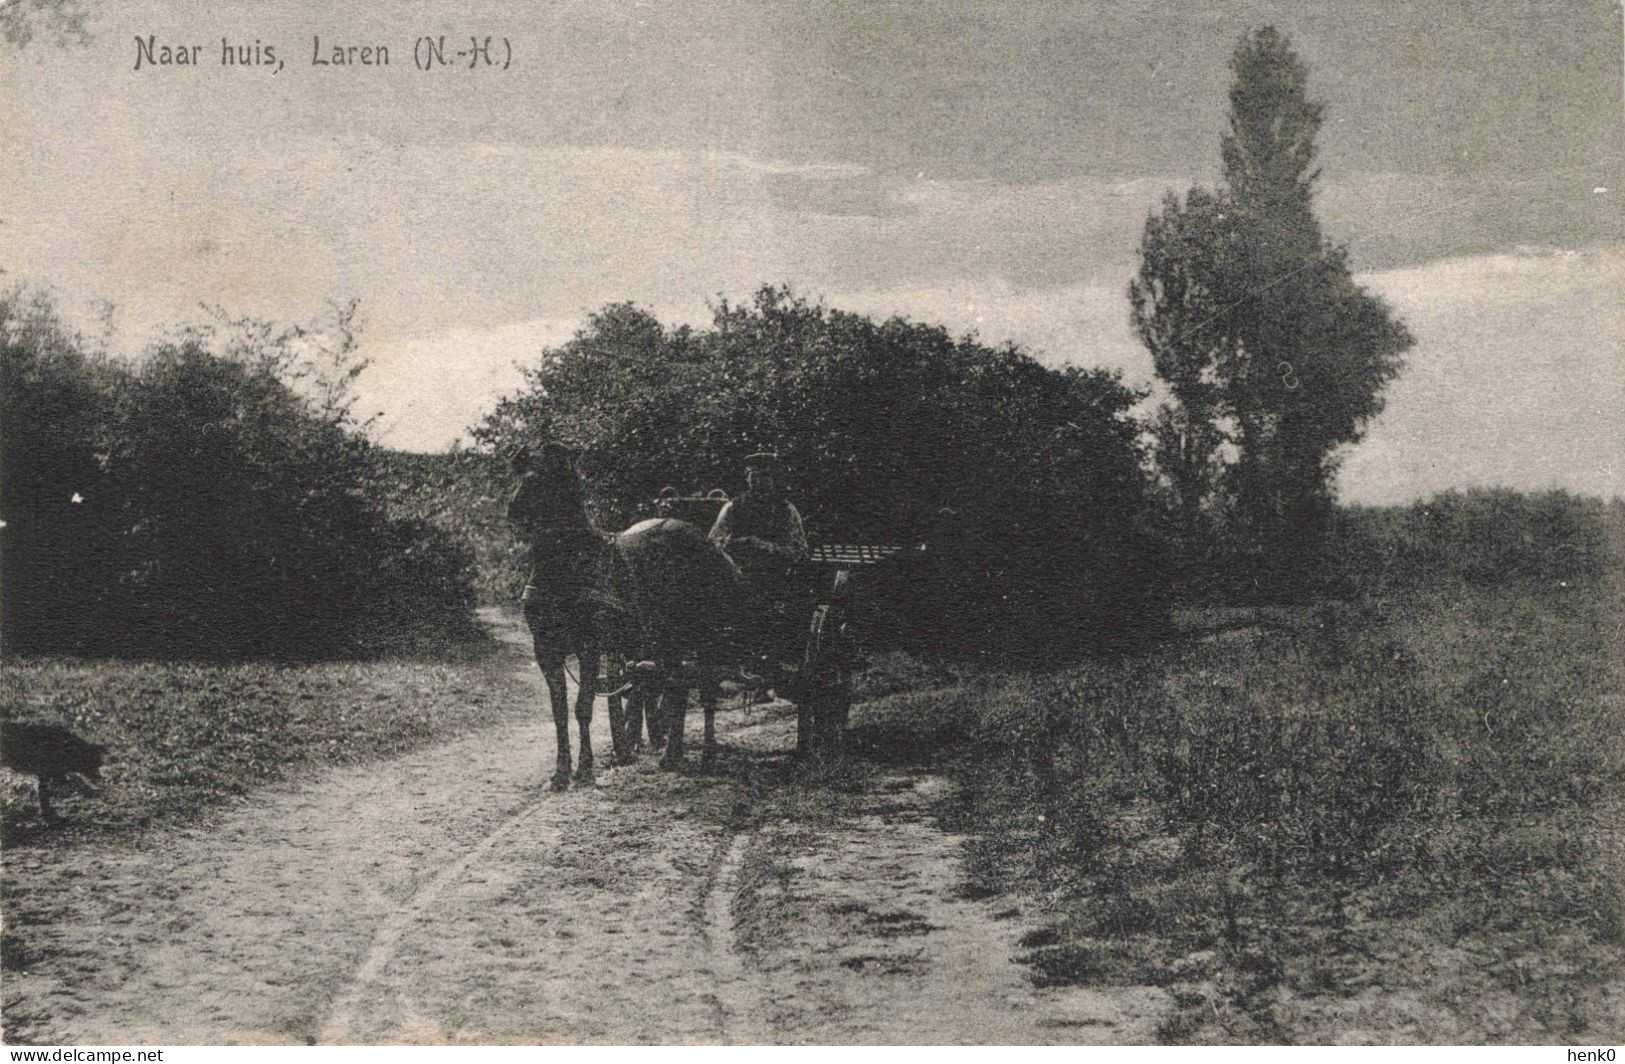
[820,683]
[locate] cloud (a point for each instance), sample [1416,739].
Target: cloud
[1393,219]
[431,238]
[1080,324]
[843,194]
[431,390]
[1517,378]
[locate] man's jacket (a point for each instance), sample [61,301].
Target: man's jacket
[771,521]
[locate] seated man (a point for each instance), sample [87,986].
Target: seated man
[761,521]
[762,531]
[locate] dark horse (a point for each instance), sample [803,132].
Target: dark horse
[658,593]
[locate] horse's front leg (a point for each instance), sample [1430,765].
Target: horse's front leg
[624,721]
[586,692]
[558,698]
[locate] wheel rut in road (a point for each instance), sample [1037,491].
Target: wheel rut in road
[388,936]
[742,1012]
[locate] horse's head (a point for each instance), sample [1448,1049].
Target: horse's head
[550,497]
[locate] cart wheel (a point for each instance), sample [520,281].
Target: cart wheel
[832,708]
[822,715]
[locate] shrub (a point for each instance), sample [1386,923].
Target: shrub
[226,506]
[56,561]
[1447,748]
[463,493]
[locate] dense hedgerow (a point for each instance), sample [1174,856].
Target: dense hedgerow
[202,502]
[1028,481]
[1478,537]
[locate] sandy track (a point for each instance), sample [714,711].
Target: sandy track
[447,896]
[861,933]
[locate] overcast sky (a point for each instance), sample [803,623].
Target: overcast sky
[984,165]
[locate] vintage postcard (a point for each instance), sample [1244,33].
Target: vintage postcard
[843,523]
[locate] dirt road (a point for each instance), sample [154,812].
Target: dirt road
[448,896]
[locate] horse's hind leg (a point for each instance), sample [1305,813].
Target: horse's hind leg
[804,728]
[834,706]
[617,725]
[708,700]
[654,718]
[675,702]
[634,723]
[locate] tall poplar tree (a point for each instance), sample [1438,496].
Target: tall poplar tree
[1260,308]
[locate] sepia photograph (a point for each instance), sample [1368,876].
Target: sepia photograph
[812,522]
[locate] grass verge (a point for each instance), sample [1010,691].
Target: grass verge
[1372,822]
[182,737]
